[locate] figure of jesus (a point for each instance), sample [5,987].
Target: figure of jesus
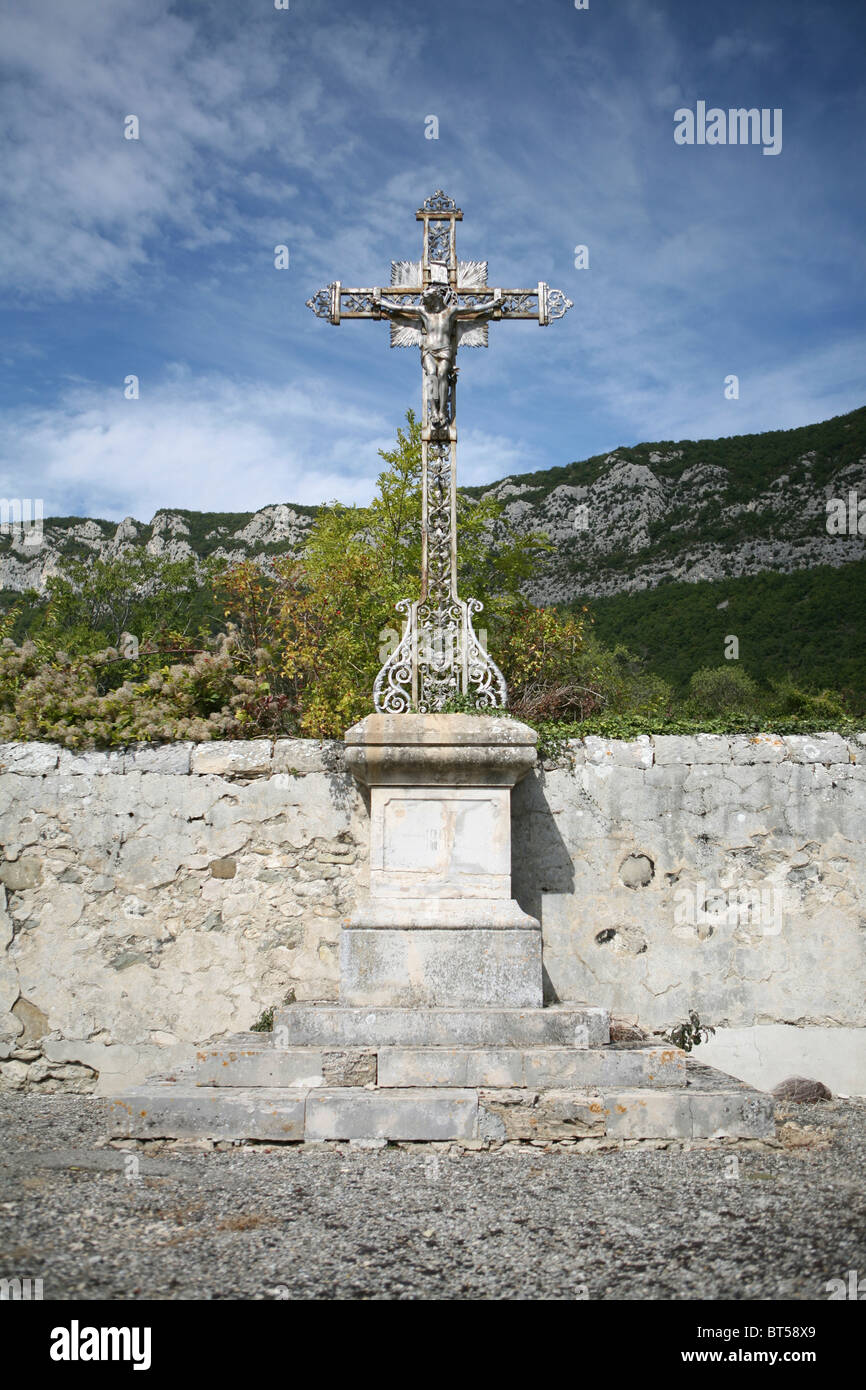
[439,315]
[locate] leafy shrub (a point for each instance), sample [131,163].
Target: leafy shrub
[827,706]
[77,702]
[722,689]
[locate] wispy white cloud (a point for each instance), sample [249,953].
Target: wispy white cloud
[740,46]
[207,444]
[210,444]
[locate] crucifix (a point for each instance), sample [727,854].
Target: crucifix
[438,304]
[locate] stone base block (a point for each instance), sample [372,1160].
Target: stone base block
[299,1067]
[535,1068]
[523,1114]
[457,914]
[408,1115]
[380,967]
[165,1111]
[321,1025]
[740,1114]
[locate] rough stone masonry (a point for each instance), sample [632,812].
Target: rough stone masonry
[161,897]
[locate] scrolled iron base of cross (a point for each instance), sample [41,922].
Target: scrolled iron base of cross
[438,304]
[439,658]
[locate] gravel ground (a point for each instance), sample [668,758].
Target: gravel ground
[345,1223]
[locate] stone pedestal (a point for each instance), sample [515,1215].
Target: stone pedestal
[440,1034]
[440,928]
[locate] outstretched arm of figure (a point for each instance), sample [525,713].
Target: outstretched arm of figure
[394,308]
[488,307]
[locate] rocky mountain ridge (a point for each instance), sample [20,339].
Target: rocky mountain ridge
[27,561]
[632,530]
[623,522]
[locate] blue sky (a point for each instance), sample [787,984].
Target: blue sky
[307,127]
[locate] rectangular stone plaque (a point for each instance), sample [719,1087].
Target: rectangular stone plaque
[453,841]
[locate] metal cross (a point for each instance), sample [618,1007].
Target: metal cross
[438,304]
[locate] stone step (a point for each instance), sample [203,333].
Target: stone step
[621,1113]
[166,1110]
[716,1114]
[335,1025]
[304,1067]
[419,1114]
[535,1067]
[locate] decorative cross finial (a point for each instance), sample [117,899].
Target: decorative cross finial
[438,304]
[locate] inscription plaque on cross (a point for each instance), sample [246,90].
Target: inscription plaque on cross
[438,304]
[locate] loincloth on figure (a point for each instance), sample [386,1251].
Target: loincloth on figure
[443,354]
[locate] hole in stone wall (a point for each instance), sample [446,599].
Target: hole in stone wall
[625,939]
[637,870]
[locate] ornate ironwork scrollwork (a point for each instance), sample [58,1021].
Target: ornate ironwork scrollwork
[359,304]
[484,680]
[392,689]
[439,638]
[520,304]
[438,241]
[439,202]
[321,303]
[439,520]
[557,304]
[440,645]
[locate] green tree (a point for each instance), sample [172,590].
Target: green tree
[316,631]
[92,603]
[493,558]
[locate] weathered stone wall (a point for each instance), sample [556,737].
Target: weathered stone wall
[624,848]
[160,897]
[157,898]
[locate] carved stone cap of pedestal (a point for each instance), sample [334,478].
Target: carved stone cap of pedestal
[436,749]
